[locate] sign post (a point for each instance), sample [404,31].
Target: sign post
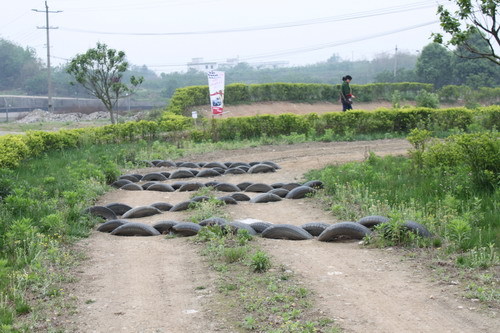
[216,89]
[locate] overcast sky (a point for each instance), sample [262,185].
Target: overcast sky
[166,34]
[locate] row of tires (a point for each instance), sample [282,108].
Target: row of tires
[190,173]
[323,231]
[222,165]
[280,189]
[112,210]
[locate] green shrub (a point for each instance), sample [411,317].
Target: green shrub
[260,262]
[427,100]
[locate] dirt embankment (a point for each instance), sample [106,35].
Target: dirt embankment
[153,284]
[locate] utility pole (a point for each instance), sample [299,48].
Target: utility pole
[395,61]
[49,73]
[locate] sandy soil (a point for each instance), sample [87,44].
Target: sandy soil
[151,284]
[285,107]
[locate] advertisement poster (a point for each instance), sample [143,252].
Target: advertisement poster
[216,88]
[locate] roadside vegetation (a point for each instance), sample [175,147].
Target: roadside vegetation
[254,293]
[450,186]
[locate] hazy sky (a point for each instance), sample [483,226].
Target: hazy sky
[166,34]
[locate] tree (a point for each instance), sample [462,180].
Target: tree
[16,65]
[474,72]
[100,71]
[470,17]
[434,65]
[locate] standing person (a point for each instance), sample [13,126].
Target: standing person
[346,95]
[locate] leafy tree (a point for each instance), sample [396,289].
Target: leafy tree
[17,65]
[471,71]
[434,65]
[100,71]
[470,17]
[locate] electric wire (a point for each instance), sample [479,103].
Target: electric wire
[313,47]
[345,17]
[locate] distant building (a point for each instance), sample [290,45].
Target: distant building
[202,66]
[269,64]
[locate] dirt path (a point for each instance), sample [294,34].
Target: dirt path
[153,284]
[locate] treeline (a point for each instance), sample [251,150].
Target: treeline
[21,72]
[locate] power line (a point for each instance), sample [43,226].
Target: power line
[346,17]
[314,47]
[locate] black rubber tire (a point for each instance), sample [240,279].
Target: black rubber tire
[351,230]
[132,187]
[216,165]
[278,185]
[145,186]
[141,211]
[161,187]
[164,227]
[259,227]
[137,175]
[184,205]
[186,229]
[191,186]
[238,196]
[226,187]
[135,229]
[118,208]
[317,184]
[214,221]
[261,168]
[234,171]
[163,206]
[286,231]
[121,182]
[291,186]
[265,197]
[182,173]
[177,185]
[228,200]
[208,173]
[238,164]
[189,165]
[132,178]
[111,225]
[200,198]
[280,192]
[101,211]
[155,176]
[156,162]
[258,188]
[243,186]
[372,220]
[274,165]
[166,164]
[315,228]
[300,192]
[212,183]
[417,228]
[235,226]
[166,174]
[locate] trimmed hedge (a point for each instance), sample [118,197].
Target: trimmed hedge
[239,93]
[354,122]
[15,148]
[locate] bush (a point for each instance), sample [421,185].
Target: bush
[260,262]
[427,100]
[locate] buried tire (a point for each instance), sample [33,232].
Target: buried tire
[286,231]
[135,229]
[344,230]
